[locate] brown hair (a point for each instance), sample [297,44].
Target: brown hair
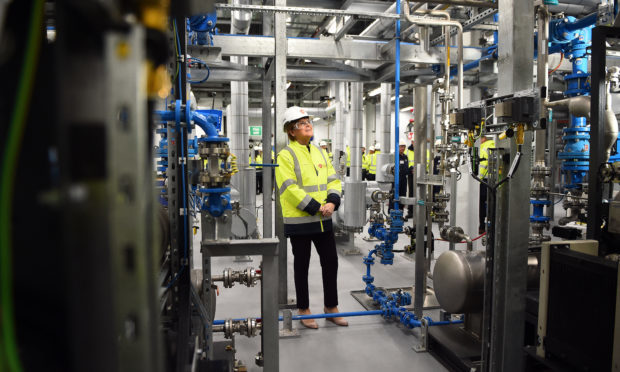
[289,127]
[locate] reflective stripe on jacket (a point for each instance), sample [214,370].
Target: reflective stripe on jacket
[306,180]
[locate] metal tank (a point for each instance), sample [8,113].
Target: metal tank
[458,280]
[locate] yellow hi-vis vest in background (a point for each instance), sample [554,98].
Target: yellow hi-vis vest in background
[305,177]
[365,161]
[484,158]
[348,156]
[372,167]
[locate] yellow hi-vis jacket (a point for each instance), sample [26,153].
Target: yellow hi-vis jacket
[258,160]
[348,156]
[372,167]
[484,158]
[306,180]
[365,161]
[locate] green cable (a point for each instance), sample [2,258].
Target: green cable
[9,165]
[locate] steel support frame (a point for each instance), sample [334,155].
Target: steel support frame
[600,35]
[280,52]
[504,313]
[131,217]
[269,250]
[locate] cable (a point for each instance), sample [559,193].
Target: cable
[559,64]
[15,135]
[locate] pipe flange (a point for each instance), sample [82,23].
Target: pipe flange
[205,150]
[228,328]
[206,178]
[442,197]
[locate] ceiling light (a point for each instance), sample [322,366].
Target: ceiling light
[407,108]
[374,92]
[308,60]
[316,118]
[394,97]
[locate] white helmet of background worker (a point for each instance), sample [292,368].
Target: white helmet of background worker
[294,113]
[378,147]
[371,148]
[402,143]
[322,143]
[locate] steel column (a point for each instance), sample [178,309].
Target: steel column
[502,346]
[420,104]
[280,52]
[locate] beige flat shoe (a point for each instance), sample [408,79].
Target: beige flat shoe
[339,321]
[308,323]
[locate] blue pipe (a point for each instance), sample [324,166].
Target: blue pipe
[206,123]
[397,109]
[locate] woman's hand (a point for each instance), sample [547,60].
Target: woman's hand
[327,210]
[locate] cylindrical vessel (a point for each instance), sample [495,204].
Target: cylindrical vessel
[354,205]
[458,280]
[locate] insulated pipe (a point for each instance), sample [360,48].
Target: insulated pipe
[459,27]
[386,108]
[611,122]
[339,124]
[255,112]
[578,106]
[357,117]
[240,137]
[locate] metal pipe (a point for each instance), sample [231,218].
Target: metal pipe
[218,323]
[357,117]
[472,3]
[611,122]
[459,27]
[339,124]
[386,108]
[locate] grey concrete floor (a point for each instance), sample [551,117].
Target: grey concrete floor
[369,343]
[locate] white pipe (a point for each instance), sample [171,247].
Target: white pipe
[459,27]
[611,122]
[355,142]
[386,110]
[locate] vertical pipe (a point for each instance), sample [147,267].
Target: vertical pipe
[397,107]
[386,112]
[355,140]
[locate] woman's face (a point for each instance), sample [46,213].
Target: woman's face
[303,130]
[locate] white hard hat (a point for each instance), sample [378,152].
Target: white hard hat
[294,113]
[378,146]
[322,143]
[371,148]
[259,148]
[402,143]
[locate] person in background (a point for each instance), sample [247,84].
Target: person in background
[372,167]
[364,164]
[410,191]
[310,192]
[258,159]
[483,155]
[348,161]
[403,169]
[323,145]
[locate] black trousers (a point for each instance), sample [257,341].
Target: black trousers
[326,247]
[482,208]
[259,181]
[371,177]
[410,192]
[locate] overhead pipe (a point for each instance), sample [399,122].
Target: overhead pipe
[459,27]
